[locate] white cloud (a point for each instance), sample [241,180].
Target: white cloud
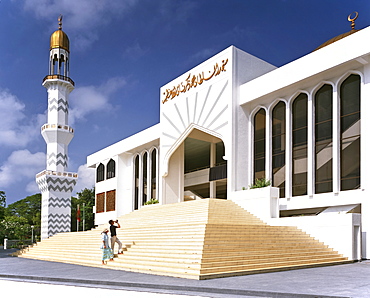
[88,99]
[16,129]
[83,15]
[21,164]
[86,178]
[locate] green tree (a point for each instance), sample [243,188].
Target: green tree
[14,227]
[2,204]
[86,200]
[28,208]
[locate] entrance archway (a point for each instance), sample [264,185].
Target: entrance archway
[196,168]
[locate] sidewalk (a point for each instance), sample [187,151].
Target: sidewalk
[349,280]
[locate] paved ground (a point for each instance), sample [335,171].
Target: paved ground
[349,280]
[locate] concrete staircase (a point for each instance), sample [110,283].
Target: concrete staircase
[197,239]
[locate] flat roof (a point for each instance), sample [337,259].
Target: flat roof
[355,46]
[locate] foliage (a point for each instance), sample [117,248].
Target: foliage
[2,198]
[14,227]
[259,183]
[151,201]
[86,200]
[28,208]
[2,204]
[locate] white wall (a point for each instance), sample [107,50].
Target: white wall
[338,231]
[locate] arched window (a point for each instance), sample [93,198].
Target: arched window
[324,139]
[259,144]
[111,169]
[136,173]
[278,147]
[299,145]
[145,177]
[350,133]
[153,178]
[100,173]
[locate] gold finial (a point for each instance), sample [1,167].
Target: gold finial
[353,19]
[60,21]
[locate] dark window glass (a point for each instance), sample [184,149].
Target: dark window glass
[111,169]
[299,145]
[350,125]
[324,139]
[153,186]
[100,173]
[145,180]
[136,170]
[278,147]
[259,144]
[220,153]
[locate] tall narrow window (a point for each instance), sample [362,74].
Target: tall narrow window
[153,185]
[299,145]
[136,173]
[278,147]
[100,173]
[100,202]
[324,139]
[145,177]
[259,144]
[350,125]
[111,169]
[111,200]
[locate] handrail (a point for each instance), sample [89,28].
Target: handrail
[59,77]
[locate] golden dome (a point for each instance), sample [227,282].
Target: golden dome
[339,37]
[59,39]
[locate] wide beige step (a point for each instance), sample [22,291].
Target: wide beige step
[197,239]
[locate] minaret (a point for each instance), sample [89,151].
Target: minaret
[55,183]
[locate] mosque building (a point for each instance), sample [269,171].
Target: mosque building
[235,119]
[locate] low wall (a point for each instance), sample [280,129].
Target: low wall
[261,202]
[339,231]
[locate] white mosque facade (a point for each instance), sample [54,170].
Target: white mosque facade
[236,118]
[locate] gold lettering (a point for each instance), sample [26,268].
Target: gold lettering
[192,81]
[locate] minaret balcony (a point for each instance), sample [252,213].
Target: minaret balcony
[59,77]
[55,173]
[57,133]
[58,126]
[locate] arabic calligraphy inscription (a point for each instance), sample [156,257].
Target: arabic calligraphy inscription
[193,81]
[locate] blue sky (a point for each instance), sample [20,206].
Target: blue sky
[122,52]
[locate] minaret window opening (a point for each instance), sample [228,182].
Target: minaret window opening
[111,169]
[259,144]
[278,147]
[324,139]
[55,68]
[100,173]
[59,65]
[62,66]
[299,145]
[350,133]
